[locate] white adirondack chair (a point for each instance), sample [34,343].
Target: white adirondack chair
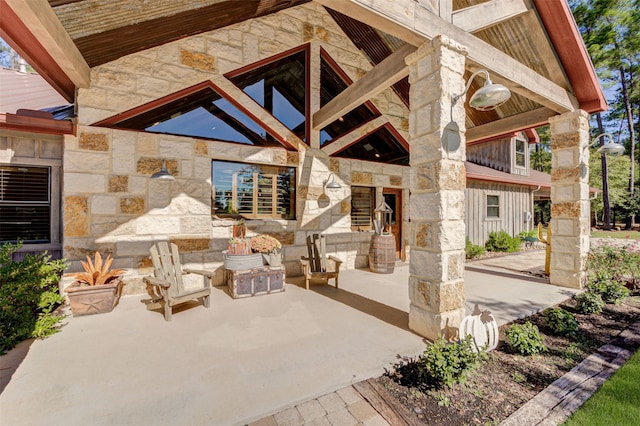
[166,285]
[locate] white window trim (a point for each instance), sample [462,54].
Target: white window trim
[515,153]
[486,206]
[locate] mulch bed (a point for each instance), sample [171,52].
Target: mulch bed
[506,381]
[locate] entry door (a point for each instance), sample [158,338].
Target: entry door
[393,197]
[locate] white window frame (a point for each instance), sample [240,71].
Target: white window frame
[50,203]
[498,206]
[524,153]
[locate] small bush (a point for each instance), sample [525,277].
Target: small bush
[448,363]
[28,296]
[473,250]
[610,291]
[589,303]
[560,321]
[532,233]
[525,339]
[613,263]
[503,242]
[614,292]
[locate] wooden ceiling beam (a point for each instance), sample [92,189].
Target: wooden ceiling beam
[414,24]
[485,15]
[445,9]
[256,112]
[383,75]
[535,118]
[43,27]
[345,141]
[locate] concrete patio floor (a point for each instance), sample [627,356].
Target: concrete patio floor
[240,360]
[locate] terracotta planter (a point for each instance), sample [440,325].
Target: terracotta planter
[99,299]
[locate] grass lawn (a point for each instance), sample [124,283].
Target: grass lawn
[616,402]
[632,235]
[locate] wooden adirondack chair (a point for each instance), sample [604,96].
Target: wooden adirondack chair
[318,265]
[166,286]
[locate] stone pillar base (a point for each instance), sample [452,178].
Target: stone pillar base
[432,325]
[568,279]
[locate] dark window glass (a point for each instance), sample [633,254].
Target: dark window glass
[253,191]
[520,153]
[331,84]
[493,206]
[25,210]
[202,114]
[380,146]
[280,88]
[361,208]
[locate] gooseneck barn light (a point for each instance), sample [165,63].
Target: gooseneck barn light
[331,183]
[608,148]
[163,173]
[488,97]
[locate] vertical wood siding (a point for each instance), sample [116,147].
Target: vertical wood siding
[515,201]
[495,154]
[499,154]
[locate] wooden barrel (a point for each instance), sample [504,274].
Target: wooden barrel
[382,254]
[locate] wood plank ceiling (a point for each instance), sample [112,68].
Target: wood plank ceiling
[106,30]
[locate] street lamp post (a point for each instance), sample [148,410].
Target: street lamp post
[605,149]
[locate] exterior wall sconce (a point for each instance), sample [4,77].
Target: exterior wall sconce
[612,148]
[163,173]
[488,97]
[331,183]
[608,148]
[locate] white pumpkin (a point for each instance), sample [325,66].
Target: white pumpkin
[483,329]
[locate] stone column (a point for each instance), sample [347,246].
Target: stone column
[436,204]
[569,198]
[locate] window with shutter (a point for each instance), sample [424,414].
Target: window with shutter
[362,208]
[25,204]
[253,191]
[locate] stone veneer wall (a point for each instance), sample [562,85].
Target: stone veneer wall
[111,205]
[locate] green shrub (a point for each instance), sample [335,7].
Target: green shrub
[28,296]
[613,263]
[532,233]
[448,363]
[473,250]
[503,242]
[614,292]
[610,291]
[589,303]
[560,321]
[525,339]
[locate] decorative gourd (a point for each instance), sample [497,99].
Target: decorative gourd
[482,327]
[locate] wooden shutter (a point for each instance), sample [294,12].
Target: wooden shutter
[361,208]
